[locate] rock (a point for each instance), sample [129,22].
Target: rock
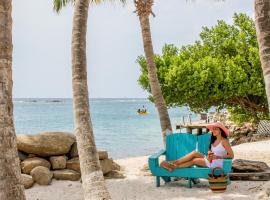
[259,137]
[32,155]
[116,166]
[30,163]
[27,181]
[240,165]
[58,162]
[74,164]
[73,151]
[22,156]
[114,174]
[46,144]
[106,165]
[66,174]
[42,175]
[102,154]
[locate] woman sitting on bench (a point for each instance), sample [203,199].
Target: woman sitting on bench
[219,149]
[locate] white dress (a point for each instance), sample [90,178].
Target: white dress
[218,150]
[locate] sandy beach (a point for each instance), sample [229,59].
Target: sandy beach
[139,184]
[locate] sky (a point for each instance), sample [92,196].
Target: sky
[42,43]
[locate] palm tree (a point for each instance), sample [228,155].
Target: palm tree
[92,176]
[143,10]
[262,21]
[10,186]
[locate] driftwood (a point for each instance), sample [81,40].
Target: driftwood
[250,176]
[240,165]
[248,170]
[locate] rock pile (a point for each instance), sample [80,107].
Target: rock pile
[55,155]
[245,133]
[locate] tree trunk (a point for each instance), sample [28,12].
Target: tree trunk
[262,21]
[153,79]
[92,176]
[10,174]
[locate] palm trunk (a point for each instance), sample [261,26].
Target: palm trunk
[153,80]
[262,21]
[10,174]
[92,176]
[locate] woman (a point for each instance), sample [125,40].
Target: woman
[219,147]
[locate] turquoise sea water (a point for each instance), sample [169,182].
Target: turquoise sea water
[117,126]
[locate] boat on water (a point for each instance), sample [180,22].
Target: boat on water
[142,111]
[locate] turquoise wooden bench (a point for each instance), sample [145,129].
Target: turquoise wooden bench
[178,145]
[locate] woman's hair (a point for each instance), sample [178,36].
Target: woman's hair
[213,138]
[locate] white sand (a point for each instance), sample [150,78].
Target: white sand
[137,185]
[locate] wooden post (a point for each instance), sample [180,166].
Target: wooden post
[199,131]
[189,130]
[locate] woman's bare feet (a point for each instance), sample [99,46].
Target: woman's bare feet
[167,165]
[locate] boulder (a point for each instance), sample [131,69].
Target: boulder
[240,165]
[22,156]
[116,166]
[42,175]
[106,165]
[74,164]
[27,181]
[58,162]
[73,151]
[30,163]
[114,174]
[102,154]
[32,155]
[66,174]
[46,144]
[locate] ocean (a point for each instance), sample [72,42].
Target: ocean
[117,126]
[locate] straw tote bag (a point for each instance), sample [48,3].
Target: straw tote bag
[217,183]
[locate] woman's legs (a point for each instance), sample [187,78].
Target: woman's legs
[195,161]
[167,165]
[193,158]
[188,157]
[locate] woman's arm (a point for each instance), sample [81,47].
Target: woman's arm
[229,150]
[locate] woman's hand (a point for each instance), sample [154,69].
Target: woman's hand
[210,156]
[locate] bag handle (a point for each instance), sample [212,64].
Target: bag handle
[215,168]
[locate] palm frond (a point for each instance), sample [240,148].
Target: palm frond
[59,4]
[100,1]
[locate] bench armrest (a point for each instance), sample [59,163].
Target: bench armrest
[153,159]
[158,154]
[227,165]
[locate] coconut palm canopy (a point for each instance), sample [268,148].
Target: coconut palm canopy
[59,4]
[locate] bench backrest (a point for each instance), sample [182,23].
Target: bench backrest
[180,144]
[203,143]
